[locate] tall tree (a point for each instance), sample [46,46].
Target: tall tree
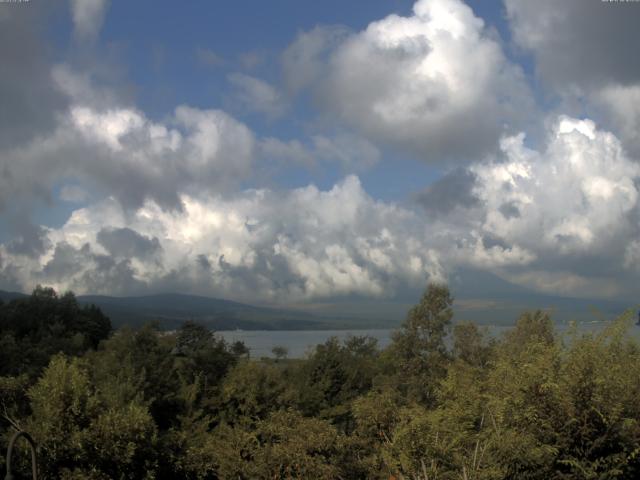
[418,350]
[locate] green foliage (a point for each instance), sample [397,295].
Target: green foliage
[418,352]
[376,415]
[334,375]
[203,353]
[76,433]
[285,445]
[600,432]
[149,404]
[62,408]
[121,441]
[34,328]
[252,390]
[13,392]
[134,364]
[471,345]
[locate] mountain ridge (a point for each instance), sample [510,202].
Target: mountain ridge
[170,310]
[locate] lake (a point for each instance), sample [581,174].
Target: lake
[300,342]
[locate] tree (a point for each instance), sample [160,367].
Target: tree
[33,329]
[78,433]
[285,445]
[144,356]
[531,327]
[280,352]
[252,390]
[418,349]
[204,353]
[334,375]
[470,344]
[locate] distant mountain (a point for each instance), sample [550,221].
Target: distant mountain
[489,301]
[8,296]
[172,309]
[482,298]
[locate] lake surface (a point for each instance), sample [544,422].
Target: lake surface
[297,342]
[301,342]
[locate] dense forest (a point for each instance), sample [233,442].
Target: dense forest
[443,401]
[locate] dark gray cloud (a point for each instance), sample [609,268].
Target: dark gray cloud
[454,190]
[124,242]
[29,239]
[9,276]
[268,270]
[28,97]
[489,241]
[109,276]
[203,262]
[509,210]
[90,272]
[66,261]
[581,42]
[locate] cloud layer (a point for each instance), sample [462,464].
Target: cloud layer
[190,202]
[295,245]
[557,220]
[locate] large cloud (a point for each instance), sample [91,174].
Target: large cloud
[28,97]
[164,204]
[572,209]
[586,49]
[619,106]
[564,219]
[579,42]
[436,83]
[259,245]
[123,153]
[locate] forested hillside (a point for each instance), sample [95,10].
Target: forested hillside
[139,403]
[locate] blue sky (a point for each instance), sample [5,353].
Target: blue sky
[289,151]
[162,46]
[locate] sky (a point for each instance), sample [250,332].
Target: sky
[299,152]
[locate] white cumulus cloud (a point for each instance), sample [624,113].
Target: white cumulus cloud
[564,218]
[125,154]
[436,82]
[294,245]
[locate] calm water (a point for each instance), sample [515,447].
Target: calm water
[301,342]
[297,342]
